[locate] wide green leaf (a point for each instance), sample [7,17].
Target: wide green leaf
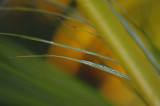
[32,82]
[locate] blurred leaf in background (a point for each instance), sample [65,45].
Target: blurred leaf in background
[33,82]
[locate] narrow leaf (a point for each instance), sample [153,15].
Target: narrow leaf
[39,11]
[135,36]
[89,63]
[57,44]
